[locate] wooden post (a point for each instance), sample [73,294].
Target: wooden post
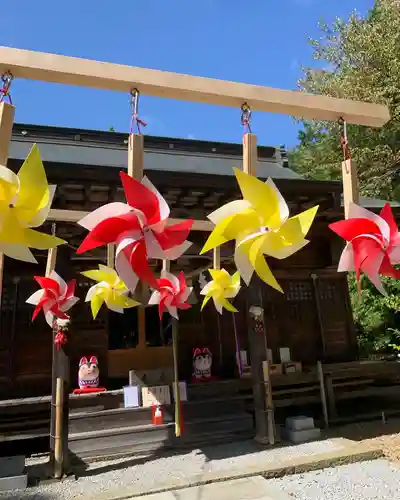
[175,340]
[264,409]
[6,124]
[59,448]
[321,380]
[135,170]
[59,417]
[350,185]
[316,291]
[250,156]
[349,172]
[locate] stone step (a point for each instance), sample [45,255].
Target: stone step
[253,488]
[299,423]
[13,483]
[302,436]
[12,466]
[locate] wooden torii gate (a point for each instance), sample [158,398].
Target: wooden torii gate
[53,68]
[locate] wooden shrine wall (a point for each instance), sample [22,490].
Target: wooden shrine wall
[26,346]
[312,318]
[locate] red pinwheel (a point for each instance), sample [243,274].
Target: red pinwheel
[373,244]
[139,229]
[172,293]
[55,298]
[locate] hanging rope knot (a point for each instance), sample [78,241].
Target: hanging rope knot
[135,120]
[60,339]
[344,141]
[246,117]
[6,79]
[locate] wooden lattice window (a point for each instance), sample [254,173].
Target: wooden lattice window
[327,291]
[299,291]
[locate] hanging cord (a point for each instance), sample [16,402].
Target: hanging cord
[135,120]
[344,142]
[246,118]
[6,79]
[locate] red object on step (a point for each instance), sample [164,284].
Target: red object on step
[182,419]
[157,415]
[89,390]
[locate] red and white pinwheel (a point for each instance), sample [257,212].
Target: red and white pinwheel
[55,298]
[139,229]
[373,244]
[172,293]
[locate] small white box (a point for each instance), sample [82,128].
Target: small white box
[299,423]
[131,396]
[284,353]
[243,358]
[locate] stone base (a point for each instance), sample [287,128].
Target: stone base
[301,436]
[12,466]
[299,423]
[13,483]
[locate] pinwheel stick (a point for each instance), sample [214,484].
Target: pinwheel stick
[177,392]
[57,443]
[6,124]
[250,160]
[135,170]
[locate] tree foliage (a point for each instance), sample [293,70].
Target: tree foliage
[377,317]
[361,61]
[360,58]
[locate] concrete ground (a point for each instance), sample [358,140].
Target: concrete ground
[252,488]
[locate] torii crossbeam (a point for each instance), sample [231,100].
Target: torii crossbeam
[108,76]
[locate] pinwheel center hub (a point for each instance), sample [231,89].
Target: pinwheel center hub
[11,205]
[265,229]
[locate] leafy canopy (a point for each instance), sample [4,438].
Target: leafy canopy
[361,57]
[363,60]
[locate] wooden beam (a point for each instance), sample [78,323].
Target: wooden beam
[88,73]
[76,215]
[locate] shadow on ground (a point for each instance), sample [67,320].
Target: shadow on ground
[366,430]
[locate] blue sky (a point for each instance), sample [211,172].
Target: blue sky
[259,41]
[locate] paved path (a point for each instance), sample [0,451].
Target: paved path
[253,488]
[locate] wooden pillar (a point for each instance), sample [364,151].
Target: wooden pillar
[262,390]
[135,170]
[7,112]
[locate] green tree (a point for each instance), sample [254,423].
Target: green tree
[377,317]
[360,59]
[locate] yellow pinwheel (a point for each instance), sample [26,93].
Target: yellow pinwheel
[25,201]
[222,287]
[110,290]
[260,225]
